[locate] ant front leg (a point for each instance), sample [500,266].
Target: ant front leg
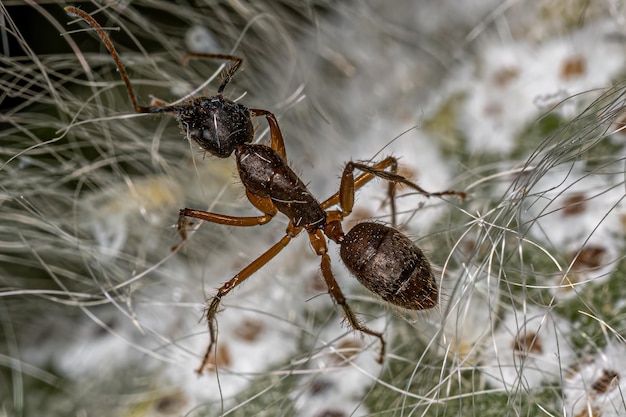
[227,74]
[277,142]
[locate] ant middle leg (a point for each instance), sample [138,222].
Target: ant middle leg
[265,205]
[228,73]
[393,177]
[349,185]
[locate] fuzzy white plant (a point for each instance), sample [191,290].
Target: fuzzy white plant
[519,104]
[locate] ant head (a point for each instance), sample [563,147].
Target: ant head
[217,124]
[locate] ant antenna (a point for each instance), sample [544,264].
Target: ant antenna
[76,12]
[227,74]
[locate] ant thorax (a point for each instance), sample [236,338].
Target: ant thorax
[265,173]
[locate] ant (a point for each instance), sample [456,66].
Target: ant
[384,260]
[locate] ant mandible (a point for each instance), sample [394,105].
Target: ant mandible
[383,259]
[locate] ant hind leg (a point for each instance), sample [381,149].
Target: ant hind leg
[235,281]
[336,293]
[319,245]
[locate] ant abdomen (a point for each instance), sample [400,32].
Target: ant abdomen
[390,265]
[216,124]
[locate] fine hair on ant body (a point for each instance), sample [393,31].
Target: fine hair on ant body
[383,259]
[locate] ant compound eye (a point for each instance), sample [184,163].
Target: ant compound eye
[217,125]
[390,265]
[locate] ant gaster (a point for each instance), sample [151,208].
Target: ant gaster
[383,260]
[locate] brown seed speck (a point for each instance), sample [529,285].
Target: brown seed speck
[346,350]
[221,359]
[527,343]
[171,404]
[332,413]
[249,330]
[493,109]
[505,76]
[573,67]
[590,257]
[574,204]
[605,383]
[320,386]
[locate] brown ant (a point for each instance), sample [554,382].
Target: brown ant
[383,260]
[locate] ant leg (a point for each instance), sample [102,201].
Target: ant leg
[338,296]
[399,179]
[348,179]
[224,218]
[227,74]
[276,137]
[245,273]
[348,185]
[345,195]
[319,244]
[218,218]
[265,205]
